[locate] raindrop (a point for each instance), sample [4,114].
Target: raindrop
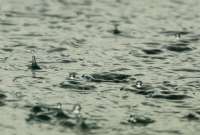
[116,30]
[76,109]
[59,106]
[18,94]
[178,36]
[34,65]
[132,119]
[72,75]
[139,84]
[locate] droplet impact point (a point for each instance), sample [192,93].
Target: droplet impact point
[139,84]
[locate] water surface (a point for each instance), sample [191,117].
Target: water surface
[109,45]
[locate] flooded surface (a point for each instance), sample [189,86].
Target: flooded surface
[99,67]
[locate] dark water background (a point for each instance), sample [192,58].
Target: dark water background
[156,41]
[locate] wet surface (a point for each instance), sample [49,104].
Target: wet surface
[99,67]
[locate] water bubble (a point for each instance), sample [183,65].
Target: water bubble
[33,52]
[76,109]
[18,94]
[139,84]
[178,36]
[59,106]
[132,119]
[72,75]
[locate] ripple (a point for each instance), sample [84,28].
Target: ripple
[7,49]
[75,82]
[170,96]
[178,48]
[142,91]
[150,92]
[2,99]
[139,120]
[152,51]
[2,96]
[107,77]
[76,85]
[192,116]
[52,116]
[76,42]
[145,89]
[60,49]
[173,33]
[7,24]
[187,70]
[2,103]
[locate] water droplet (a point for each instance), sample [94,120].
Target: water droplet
[76,109]
[59,106]
[116,30]
[132,119]
[34,65]
[33,52]
[178,36]
[18,94]
[139,84]
[72,75]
